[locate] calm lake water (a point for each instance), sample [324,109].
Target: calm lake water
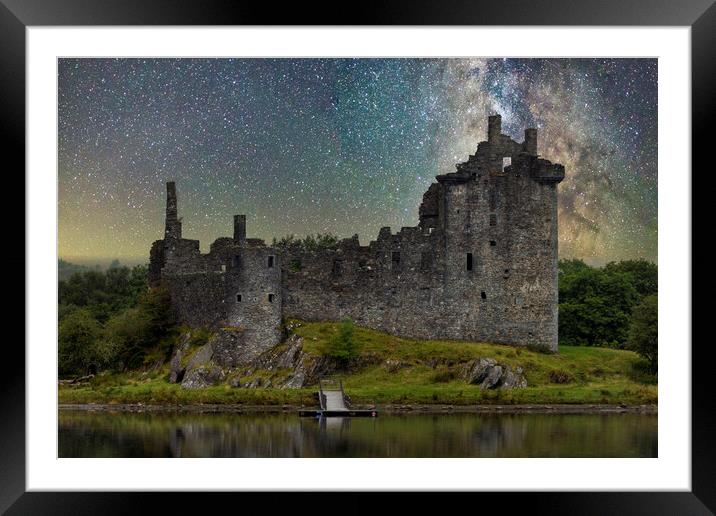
[190,434]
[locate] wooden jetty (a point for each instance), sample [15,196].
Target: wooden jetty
[334,404]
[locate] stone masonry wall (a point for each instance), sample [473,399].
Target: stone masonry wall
[480,265]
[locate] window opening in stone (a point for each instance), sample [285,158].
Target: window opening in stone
[337,267]
[469,261]
[238,298]
[396,260]
[235,261]
[493,219]
[270,261]
[506,162]
[270,298]
[426,260]
[483,295]
[493,243]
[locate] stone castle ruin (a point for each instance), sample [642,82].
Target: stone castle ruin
[481,264]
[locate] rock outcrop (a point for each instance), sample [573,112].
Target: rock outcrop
[488,374]
[225,358]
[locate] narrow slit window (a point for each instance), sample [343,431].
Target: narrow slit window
[483,295]
[238,298]
[270,298]
[337,267]
[426,260]
[469,261]
[270,262]
[396,260]
[235,261]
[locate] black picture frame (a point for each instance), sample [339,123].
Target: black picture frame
[17,15]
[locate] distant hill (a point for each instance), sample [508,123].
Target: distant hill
[67,269]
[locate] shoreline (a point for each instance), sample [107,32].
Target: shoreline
[390,409]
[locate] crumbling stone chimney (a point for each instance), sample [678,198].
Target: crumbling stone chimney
[172,227]
[494,128]
[239,228]
[530,145]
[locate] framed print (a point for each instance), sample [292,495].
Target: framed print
[424,251]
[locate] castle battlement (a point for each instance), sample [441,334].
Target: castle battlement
[480,265]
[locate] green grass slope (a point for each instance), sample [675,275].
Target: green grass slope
[407,371]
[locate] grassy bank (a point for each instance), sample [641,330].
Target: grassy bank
[420,372]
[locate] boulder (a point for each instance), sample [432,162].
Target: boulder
[290,356]
[202,376]
[309,370]
[176,370]
[488,374]
[514,379]
[479,370]
[492,380]
[393,365]
[200,369]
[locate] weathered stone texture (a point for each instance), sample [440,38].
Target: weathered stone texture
[480,265]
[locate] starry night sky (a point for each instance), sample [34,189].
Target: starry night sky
[342,145]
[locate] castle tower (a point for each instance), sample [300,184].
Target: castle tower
[530,145]
[239,229]
[172,224]
[494,128]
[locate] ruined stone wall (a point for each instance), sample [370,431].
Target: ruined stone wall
[480,265]
[235,285]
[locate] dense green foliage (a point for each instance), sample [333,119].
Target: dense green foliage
[80,345]
[112,320]
[342,345]
[102,293]
[643,332]
[596,304]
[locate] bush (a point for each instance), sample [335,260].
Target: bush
[559,377]
[641,372]
[442,376]
[595,308]
[644,332]
[82,349]
[342,346]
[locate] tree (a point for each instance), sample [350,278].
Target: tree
[644,331]
[136,331]
[595,308]
[103,293]
[643,275]
[81,347]
[569,267]
[130,333]
[342,346]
